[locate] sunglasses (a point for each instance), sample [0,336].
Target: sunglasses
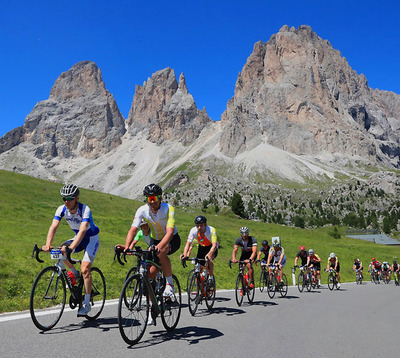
[68,198]
[151,199]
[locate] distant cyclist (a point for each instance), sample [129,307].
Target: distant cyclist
[79,218]
[206,237]
[376,266]
[248,244]
[333,263]
[358,266]
[264,250]
[277,255]
[395,267]
[303,255]
[314,261]
[386,268]
[143,234]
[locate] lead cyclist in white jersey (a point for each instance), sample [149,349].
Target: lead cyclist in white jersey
[160,217]
[79,218]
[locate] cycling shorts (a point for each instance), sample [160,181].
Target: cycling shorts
[204,250]
[90,249]
[245,255]
[337,269]
[174,244]
[317,265]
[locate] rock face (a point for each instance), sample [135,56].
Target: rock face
[80,118]
[166,110]
[299,94]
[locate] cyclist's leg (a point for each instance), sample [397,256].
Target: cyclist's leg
[86,265]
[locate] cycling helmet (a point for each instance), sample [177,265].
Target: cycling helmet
[394,262]
[69,190]
[385,263]
[244,230]
[276,241]
[373,259]
[332,255]
[143,222]
[302,248]
[311,252]
[152,189]
[200,220]
[264,243]
[356,260]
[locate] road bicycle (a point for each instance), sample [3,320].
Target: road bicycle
[263,275]
[276,283]
[242,287]
[375,276]
[49,291]
[303,279]
[142,298]
[332,279]
[199,287]
[359,277]
[386,276]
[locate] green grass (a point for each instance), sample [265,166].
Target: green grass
[27,206]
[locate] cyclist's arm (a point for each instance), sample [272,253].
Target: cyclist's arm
[80,235]
[187,249]
[129,237]
[295,260]
[50,234]
[259,254]
[308,260]
[234,251]
[269,258]
[254,253]
[212,251]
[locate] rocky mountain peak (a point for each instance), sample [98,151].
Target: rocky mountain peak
[166,110]
[81,118]
[297,93]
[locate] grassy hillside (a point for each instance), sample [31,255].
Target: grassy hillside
[27,206]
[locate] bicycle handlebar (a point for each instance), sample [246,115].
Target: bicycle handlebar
[195,259]
[36,252]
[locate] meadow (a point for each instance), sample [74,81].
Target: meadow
[27,207]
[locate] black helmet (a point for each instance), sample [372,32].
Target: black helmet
[200,220]
[152,189]
[395,262]
[69,190]
[264,243]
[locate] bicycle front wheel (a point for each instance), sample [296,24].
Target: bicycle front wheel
[239,289]
[271,286]
[171,307]
[331,282]
[98,294]
[47,300]
[194,294]
[133,310]
[261,285]
[211,292]
[131,272]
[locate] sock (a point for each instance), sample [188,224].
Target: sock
[87,299]
[169,280]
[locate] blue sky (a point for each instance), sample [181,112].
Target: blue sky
[208,40]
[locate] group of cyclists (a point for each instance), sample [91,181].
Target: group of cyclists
[382,270]
[154,224]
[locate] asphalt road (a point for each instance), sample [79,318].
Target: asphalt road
[356,321]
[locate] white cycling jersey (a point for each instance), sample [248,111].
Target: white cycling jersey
[158,222]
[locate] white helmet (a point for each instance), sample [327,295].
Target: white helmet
[332,255]
[244,230]
[311,251]
[276,241]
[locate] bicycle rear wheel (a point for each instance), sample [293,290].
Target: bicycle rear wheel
[283,285]
[98,294]
[171,307]
[133,310]
[331,282]
[239,289]
[194,294]
[211,292]
[47,300]
[250,293]
[271,286]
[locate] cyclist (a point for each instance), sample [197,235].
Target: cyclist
[264,250]
[395,268]
[277,255]
[249,251]
[358,266]
[376,266]
[385,268]
[143,234]
[160,217]
[303,255]
[79,218]
[333,263]
[206,238]
[314,261]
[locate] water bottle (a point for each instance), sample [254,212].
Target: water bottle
[72,278]
[246,278]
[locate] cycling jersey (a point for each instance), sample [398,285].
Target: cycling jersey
[265,251]
[303,255]
[376,265]
[158,222]
[385,267]
[358,265]
[246,245]
[332,261]
[314,258]
[395,267]
[209,237]
[276,255]
[140,235]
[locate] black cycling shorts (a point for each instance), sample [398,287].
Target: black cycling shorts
[174,244]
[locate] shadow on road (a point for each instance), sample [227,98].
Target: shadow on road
[104,324]
[191,334]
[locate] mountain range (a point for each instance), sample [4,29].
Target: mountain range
[300,117]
